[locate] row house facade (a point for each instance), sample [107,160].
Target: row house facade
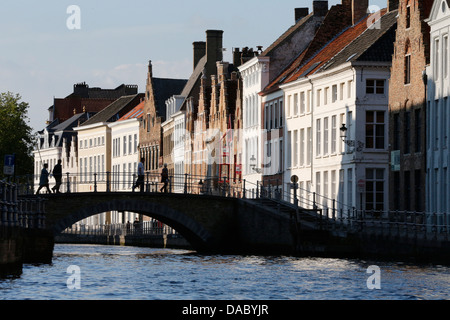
[336,128]
[407,106]
[97,151]
[151,148]
[261,126]
[437,177]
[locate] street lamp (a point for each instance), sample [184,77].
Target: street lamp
[351,143]
[253,164]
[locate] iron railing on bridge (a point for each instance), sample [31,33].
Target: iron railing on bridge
[19,212]
[144,228]
[328,213]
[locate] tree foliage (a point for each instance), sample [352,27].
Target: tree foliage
[16,135]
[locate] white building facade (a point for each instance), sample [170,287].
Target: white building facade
[353,174]
[255,77]
[438,124]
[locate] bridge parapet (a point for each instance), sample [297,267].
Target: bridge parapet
[20,212]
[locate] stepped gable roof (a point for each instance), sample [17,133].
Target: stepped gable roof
[136,113]
[111,111]
[355,43]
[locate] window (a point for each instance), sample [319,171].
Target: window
[296,110]
[445,56]
[289,148]
[281,113]
[308,146]
[375,189]
[295,143]
[374,86]
[302,147]
[325,96]
[319,92]
[318,138]
[334,93]
[326,136]
[396,131]
[408,16]
[418,129]
[130,145]
[302,103]
[318,183]
[408,69]
[436,58]
[275,116]
[375,129]
[350,187]
[333,134]
[407,132]
[308,101]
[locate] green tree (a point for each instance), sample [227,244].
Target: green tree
[16,135]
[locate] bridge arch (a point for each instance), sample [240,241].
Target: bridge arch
[192,230]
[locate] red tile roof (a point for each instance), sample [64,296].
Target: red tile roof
[135,113]
[302,67]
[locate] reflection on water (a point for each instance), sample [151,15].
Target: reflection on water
[109,272]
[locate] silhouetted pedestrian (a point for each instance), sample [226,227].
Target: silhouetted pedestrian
[43,180]
[57,174]
[141,176]
[164,178]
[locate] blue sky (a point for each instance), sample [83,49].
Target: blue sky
[41,58]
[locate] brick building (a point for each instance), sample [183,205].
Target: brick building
[407,105]
[158,90]
[86,99]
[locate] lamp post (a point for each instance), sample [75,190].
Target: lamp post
[253,164]
[351,143]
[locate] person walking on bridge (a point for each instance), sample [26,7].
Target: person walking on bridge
[140,179]
[57,174]
[164,178]
[43,181]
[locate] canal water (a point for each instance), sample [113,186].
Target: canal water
[88,272]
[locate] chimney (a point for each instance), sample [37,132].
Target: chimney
[222,70]
[199,51]
[300,13]
[214,51]
[320,8]
[358,8]
[392,5]
[214,45]
[237,57]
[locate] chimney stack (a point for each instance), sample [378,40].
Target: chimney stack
[392,5]
[214,45]
[358,8]
[320,8]
[199,51]
[300,13]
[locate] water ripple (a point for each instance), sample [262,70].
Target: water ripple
[112,273]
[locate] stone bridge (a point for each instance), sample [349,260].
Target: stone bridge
[209,223]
